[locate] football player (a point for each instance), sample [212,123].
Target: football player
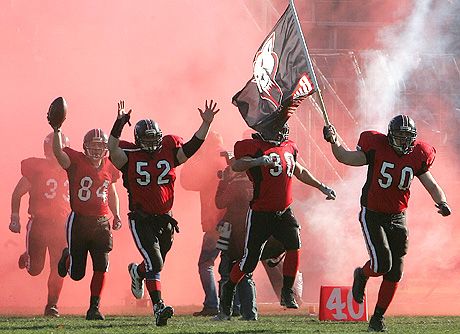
[47,186]
[148,168]
[270,161]
[92,189]
[393,159]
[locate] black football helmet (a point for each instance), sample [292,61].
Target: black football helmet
[402,134]
[276,136]
[148,135]
[48,144]
[95,144]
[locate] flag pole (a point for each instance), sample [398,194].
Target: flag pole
[321,102]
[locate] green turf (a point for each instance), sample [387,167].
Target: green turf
[188,324]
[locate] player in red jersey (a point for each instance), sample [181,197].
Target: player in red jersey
[47,186]
[270,161]
[148,168]
[92,180]
[394,159]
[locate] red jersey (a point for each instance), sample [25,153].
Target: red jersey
[272,185]
[49,191]
[389,175]
[88,184]
[149,177]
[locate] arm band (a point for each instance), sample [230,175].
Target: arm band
[192,146]
[118,126]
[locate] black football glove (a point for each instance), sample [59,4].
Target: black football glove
[444,209]
[330,134]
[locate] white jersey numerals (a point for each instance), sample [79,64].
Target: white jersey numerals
[52,185]
[407,175]
[144,178]
[85,192]
[278,168]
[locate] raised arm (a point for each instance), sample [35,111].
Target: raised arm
[60,155]
[117,155]
[192,146]
[305,176]
[22,188]
[347,157]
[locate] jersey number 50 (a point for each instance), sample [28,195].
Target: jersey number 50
[407,174]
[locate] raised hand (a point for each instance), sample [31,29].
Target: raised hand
[122,114]
[330,133]
[209,111]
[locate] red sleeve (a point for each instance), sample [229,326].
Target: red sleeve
[365,142]
[174,141]
[27,168]
[243,148]
[428,154]
[71,153]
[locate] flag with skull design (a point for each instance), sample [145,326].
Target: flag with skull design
[282,76]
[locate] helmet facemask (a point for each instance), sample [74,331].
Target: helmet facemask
[95,149]
[402,134]
[148,135]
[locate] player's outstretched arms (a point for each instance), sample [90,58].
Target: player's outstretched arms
[117,155]
[194,144]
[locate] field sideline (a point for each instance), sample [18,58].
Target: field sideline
[189,324]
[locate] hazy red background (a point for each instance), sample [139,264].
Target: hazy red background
[164,59]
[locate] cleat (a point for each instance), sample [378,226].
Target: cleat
[137,283]
[288,299]
[24,260]
[51,311]
[62,264]
[94,314]
[359,285]
[206,312]
[162,313]
[376,324]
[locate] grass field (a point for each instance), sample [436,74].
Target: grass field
[197,325]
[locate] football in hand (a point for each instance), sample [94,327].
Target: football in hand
[57,112]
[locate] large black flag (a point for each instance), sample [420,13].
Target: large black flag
[282,76]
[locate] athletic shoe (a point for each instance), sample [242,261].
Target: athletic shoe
[288,299]
[376,324]
[137,283]
[359,285]
[62,264]
[24,260]
[162,313]
[94,314]
[206,312]
[51,311]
